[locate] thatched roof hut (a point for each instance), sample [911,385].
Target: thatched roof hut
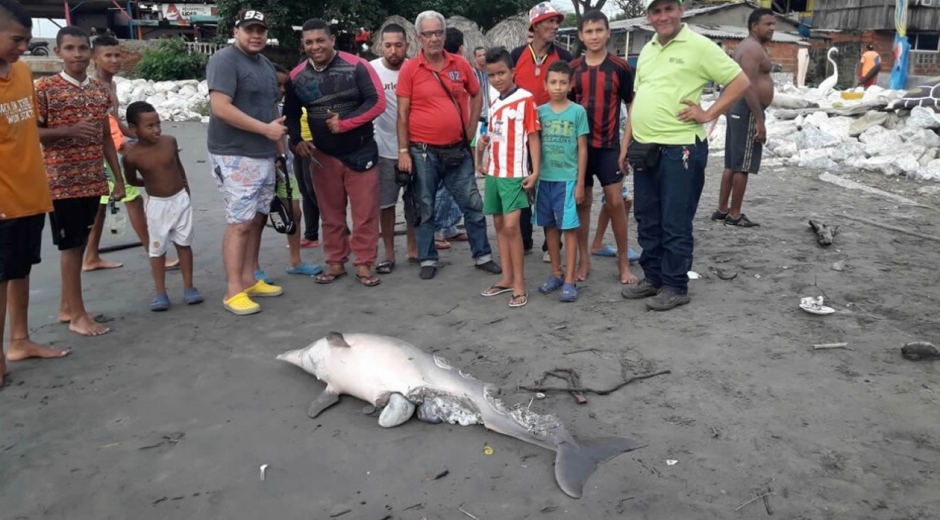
[472,35]
[509,33]
[413,44]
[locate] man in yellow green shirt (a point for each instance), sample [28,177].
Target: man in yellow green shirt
[665,143]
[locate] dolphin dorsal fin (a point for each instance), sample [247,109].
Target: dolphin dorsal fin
[335,339]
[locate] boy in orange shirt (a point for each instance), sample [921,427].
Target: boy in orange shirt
[24,193]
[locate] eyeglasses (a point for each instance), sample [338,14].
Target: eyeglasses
[430,34]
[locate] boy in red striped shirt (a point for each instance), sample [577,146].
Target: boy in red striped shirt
[513,125]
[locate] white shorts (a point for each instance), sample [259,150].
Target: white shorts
[169,218]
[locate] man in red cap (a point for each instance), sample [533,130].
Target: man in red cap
[532,61]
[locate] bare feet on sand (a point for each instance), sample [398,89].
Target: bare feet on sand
[65,317]
[626,275]
[95,265]
[26,348]
[87,326]
[582,272]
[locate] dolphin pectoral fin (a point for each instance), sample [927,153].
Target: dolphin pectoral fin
[335,339]
[398,411]
[322,402]
[574,463]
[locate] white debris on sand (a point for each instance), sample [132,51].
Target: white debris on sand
[902,143]
[186,100]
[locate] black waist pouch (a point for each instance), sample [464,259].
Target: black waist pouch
[363,158]
[451,158]
[644,156]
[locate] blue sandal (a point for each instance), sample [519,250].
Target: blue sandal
[192,296]
[569,293]
[608,251]
[551,285]
[160,303]
[303,268]
[261,277]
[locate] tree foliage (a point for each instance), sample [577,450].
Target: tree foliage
[631,8]
[352,14]
[170,60]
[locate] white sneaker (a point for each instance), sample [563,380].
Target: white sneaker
[547,258]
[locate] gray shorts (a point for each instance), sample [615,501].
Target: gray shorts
[388,190]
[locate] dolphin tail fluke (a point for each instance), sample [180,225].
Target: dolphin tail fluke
[574,463]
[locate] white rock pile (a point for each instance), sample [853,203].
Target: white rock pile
[905,142]
[185,100]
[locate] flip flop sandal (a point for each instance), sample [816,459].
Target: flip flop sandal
[441,244]
[607,251]
[327,278]
[495,290]
[385,267]
[525,300]
[369,281]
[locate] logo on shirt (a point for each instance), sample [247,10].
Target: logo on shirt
[454,75]
[16,111]
[390,86]
[680,61]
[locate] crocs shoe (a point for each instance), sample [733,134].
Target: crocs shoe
[261,277]
[264,289]
[192,296]
[304,269]
[569,293]
[632,255]
[551,284]
[160,303]
[241,305]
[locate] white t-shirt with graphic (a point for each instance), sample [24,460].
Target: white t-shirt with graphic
[386,125]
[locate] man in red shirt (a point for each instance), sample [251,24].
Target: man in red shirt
[532,61]
[439,102]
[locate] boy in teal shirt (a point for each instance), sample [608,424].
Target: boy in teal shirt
[561,184]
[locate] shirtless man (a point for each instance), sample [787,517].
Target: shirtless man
[746,134]
[169,207]
[109,58]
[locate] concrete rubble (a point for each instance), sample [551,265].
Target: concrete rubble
[186,100]
[807,130]
[904,143]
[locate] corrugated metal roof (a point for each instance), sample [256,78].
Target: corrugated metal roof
[729,31]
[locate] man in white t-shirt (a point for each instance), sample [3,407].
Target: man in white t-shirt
[394,48]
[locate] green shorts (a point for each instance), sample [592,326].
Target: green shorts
[502,196]
[294,189]
[130,192]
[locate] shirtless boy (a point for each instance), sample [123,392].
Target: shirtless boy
[169,208]
[745,134]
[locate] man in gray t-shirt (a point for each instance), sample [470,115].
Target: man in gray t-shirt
[246,139]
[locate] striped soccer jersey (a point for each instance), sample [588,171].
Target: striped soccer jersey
[511,120]
[600,90]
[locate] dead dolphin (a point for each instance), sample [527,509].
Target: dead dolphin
[399,377]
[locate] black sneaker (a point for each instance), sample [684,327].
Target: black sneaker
[490,267]
[667,299]
[717,215]
[428,272]
[741,221]
[644,289]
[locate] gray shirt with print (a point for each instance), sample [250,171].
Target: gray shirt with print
[251,82]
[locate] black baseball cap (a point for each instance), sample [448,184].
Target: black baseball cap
[248,17]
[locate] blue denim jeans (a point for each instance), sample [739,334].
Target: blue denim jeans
[664,204]
[461,182]
[446,214]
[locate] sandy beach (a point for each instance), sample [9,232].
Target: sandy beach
[171,414]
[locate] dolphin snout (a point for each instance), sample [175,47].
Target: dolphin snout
[291,356]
